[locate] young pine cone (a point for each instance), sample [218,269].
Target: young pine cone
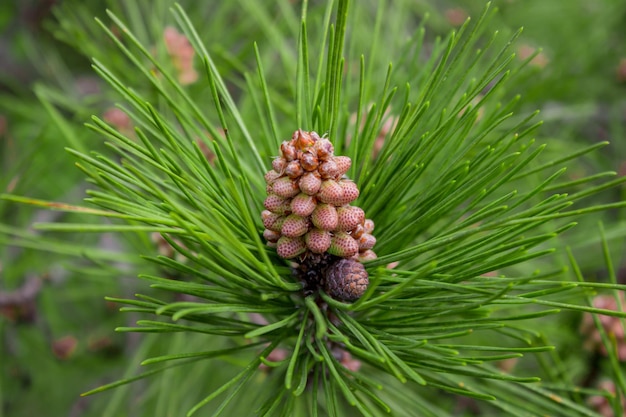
[308,207]
[346,280]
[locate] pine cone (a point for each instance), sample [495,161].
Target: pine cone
[308,207]
[346,280]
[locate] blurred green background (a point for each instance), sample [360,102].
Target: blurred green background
[56,330]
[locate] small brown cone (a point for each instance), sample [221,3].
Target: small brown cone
[309,161]
[346,280]
[324,149]
[302,140]
[328,169]
[279,164]
[288,151]
[294,169]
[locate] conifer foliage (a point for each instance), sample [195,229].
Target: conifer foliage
[284,307]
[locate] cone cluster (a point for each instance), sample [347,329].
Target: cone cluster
[308,215]
[308,203]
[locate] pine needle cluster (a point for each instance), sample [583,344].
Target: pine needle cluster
[462,199]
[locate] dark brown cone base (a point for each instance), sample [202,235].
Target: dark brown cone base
[312,271]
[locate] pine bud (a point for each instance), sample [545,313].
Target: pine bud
[328,169]
[350,192]
[272,221]
[343,165]
[310,183]
[343,245]
[366,241]
[276,204]
[318,241]
[325,217]
[285,187]
[309,161]
[302,140]
[324,149]
[279,164]
[346,280]
[331,192]
[290,247]
[288,151]
[367,255]
[271,236]
[294,226]
[307,207]
[303,205]
[271,176]
[357,232]
[349,217]
[314,136]
[294,169]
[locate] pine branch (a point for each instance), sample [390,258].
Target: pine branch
[445,166]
